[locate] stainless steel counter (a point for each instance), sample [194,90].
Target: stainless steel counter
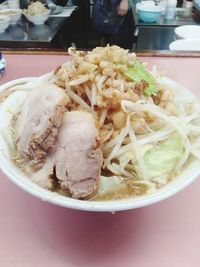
[158,35]
[154,38]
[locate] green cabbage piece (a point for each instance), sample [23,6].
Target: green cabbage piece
[128,156]
[162,158]
[138,73]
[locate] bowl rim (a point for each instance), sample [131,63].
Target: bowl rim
[38,15]
[5,18]
[17,11]
[150,9]
[167,191]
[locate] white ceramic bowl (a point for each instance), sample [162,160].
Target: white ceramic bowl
[185,45]
[4,23]
[38,19]
[149,13]
[13,102]
[13,14]
[187,31]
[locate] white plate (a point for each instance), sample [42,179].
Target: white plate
[187,31]
[185,45]
[56,9]
[14,101]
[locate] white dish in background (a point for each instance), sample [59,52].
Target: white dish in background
[4,23]
[13,14]
[56,9]
[13,4]
[13,102]
[185,45]
[3,6]
[187,31]
[38,19]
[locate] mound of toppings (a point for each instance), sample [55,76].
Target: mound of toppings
[36,8]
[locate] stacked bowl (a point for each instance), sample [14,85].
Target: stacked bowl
[13,14]
[187,38]
[4,23]
[148,11]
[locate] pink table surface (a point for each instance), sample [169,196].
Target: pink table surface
[37,234]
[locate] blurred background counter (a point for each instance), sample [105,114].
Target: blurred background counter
[59,31]
[76,29]
[159,35]
[26,35]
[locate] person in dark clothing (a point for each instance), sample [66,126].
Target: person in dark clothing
[122,35]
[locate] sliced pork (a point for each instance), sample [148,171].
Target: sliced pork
[76,158]
[37,124]
[45,176]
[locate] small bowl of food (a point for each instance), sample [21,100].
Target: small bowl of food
[13,14]
[101,135]
[149,13]
[4,23]
[37,13]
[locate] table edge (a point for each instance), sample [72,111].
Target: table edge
[61,52]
